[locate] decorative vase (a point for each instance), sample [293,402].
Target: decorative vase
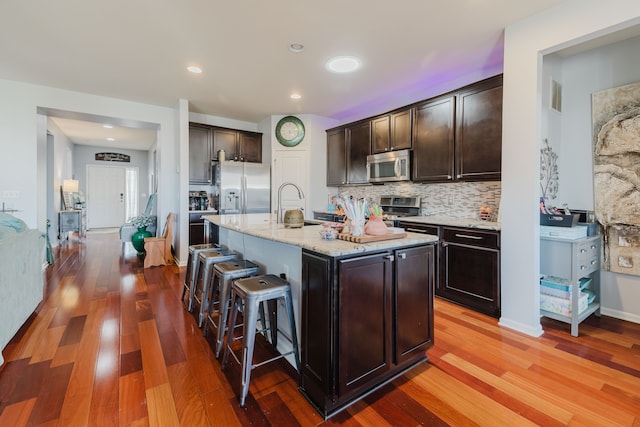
[137,239]
[375,226]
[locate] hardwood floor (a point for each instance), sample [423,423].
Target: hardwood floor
[113,345]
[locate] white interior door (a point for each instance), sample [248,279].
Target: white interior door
[105,196]
[290,166]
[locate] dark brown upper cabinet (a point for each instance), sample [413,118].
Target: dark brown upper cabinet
[336,157]
[358,148]
[479,131]
[238,145]
[458,137]
[205,141]
[200,154]
[227,140]
[433,140]
[250,146]
[391,132]
[380,134]
[347,151]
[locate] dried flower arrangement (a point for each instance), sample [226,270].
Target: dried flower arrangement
[142,220]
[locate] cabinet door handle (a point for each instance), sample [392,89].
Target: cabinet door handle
[583,267]
[583,251]
[466,236]
[416,230]
[389,257]
[593,262]
[402,255]
[593,246]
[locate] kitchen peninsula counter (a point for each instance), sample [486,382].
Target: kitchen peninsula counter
[308,237]
[364,311]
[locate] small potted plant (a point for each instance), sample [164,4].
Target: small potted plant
[141,222]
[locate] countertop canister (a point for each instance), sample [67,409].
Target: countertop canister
[375,226]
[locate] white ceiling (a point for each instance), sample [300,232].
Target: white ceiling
[139,51]
[84,132]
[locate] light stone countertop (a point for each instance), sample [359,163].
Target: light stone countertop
[308,237]
[454,222]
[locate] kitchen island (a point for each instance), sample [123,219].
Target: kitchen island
[364,311]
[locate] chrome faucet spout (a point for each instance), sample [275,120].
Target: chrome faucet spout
[284,184]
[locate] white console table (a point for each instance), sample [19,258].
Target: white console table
[72,220]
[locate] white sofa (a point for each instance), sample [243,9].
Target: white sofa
[22,255]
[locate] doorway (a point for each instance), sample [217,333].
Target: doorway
[106,196]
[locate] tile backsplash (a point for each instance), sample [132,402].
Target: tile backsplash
[456,199]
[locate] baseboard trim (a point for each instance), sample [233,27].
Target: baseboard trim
[521,327]
[622,315]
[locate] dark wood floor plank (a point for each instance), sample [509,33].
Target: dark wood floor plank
[401,400]
[130,362]
[73,331]
[49,402]
[277,411]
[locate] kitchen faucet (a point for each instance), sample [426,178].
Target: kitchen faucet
[284,184]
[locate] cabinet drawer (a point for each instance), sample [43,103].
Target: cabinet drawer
[587,250]
[465,236]
[588,266]
[420,228]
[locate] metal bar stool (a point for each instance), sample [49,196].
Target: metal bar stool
[224,274]
[252,292]
[190,276]
[204,275]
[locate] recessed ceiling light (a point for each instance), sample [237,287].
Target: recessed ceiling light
[343,64]
[111,139]
[296,47]
[194,69]
[295,96]
[107,126]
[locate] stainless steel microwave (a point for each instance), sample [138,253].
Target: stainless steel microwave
[389,166]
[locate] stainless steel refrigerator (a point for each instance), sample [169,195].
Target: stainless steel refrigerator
[242,187]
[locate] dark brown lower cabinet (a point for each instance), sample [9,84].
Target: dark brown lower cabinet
[365,320]
[470,269]
[467,265]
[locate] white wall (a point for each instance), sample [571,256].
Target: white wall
[23,139]
[63,161]
[572,22]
